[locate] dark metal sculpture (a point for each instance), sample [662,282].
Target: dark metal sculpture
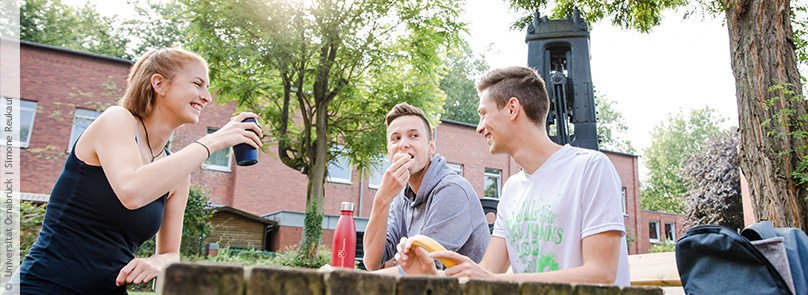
[559,50]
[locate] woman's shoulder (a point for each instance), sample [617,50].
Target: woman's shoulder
[116,115]
[111,120]
[118,111]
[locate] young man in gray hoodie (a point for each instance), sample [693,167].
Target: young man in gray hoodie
[420,194]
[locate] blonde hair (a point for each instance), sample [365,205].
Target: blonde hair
[140,96]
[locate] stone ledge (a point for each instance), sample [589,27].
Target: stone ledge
[214,279]
[200,278]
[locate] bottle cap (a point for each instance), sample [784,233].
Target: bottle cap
[346,206]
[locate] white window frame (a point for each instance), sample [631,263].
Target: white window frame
[376,173]
[672,240]
[207,164]
[340,162]
[81,115]
[624,201]
[25,142]
[652,240]
[497,176]
[457,168]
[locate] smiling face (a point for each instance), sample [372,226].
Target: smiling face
[187,93]
[407,134]
[493,123]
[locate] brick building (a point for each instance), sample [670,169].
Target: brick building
[61,91]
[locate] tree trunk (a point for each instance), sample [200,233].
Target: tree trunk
[763,55]
[313,227]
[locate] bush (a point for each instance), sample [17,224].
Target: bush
[662,247]
[31,216]
[195,222]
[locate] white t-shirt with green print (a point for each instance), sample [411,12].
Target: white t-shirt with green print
[544,216]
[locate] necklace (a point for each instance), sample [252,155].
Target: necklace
[148,144]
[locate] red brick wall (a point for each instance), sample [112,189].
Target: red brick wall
[289,236]
[627,168]
[49,77]
[644,236]
[461,144]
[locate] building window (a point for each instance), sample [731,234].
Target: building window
[377,172]
[81,120]
[27,114]
[653,231]
[493,178]
[219,160]
[670,232]
[339,168]
[457,168]
[623,200]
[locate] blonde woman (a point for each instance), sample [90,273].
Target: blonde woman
[120,187]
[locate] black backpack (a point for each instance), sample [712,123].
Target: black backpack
[714,259]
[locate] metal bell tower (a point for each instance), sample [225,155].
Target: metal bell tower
[559,50]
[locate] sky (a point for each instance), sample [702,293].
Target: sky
[681,65]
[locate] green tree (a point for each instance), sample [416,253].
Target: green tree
[767,162]
[53,23]
[325,72]
[672,143]
[462,67]
[611,126]
[159,24]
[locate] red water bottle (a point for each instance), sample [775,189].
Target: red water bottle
[343,249]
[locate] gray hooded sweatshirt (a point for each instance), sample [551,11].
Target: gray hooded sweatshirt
[445,209]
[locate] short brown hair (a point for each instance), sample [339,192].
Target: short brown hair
[405,109]
[139,97]
[521,82]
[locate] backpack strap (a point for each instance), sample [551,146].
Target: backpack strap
[759,231]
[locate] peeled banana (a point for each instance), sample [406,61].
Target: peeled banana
[430,245]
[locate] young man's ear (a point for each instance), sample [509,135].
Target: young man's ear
[514,108]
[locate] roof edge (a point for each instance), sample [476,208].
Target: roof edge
[70,51]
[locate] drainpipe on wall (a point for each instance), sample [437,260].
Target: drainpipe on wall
[361,193]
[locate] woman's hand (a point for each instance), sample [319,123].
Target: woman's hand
[414,260]
[139,270]
[235,132]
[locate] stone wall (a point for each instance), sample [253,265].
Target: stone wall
[213,279]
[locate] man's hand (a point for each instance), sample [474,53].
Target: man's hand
[414,260]
[465,266]
[394,179]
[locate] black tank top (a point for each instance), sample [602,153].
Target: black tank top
[87,235]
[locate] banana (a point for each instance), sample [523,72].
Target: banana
[430,245]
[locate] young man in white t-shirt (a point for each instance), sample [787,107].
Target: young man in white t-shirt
[559,219]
